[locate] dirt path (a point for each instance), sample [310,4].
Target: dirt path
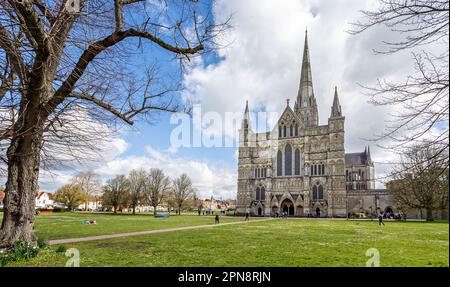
[139,233]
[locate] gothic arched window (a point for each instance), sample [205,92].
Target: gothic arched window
[315,169]
[279,163]
[291,131]
[279,132]
[323,169]
[263,193]
[284,131]
[258,194]
[288,160]
[314,192]
[297,162]
[296,130]
[320,192]
[312,170]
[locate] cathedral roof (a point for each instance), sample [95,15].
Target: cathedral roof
[362,158]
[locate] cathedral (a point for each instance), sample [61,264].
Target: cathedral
[300,168]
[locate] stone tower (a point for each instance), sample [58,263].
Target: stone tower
[244,196]
[336,159]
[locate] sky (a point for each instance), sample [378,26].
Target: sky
[260,63]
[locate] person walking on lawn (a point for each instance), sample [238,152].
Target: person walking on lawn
[380,219]
[217,218]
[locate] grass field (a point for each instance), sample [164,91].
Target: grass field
[296,242]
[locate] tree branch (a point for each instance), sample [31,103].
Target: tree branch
[96,48]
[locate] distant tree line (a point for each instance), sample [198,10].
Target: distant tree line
[139,188]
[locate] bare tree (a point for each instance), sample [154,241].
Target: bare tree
[421,180]
[71,195]
[89,184]
[137,179]
[156,188]
[423,98]
[62,67]
[182,191]
[169,200]
[116,193]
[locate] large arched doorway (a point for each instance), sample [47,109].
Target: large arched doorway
[260,213]
[287,207]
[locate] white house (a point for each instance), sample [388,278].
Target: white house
[94,203]
[44,200]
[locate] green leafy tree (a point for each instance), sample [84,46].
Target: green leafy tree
[71,195]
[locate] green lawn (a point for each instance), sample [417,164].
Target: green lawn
[271,243]
[68,225]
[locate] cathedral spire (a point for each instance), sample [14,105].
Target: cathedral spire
[246,119]
[306,105]
[369,156]
[336,108]
[306,92]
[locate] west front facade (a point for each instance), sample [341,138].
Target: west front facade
[300,168]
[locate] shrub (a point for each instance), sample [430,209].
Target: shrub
[59,209]
[24,250]
[61,249]
[42,242]
[21,250]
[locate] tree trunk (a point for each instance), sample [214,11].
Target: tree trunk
[21,188]
[154,210]
[430,214]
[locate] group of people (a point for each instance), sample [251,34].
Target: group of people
[396,216]
[282,215]
[209,212]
